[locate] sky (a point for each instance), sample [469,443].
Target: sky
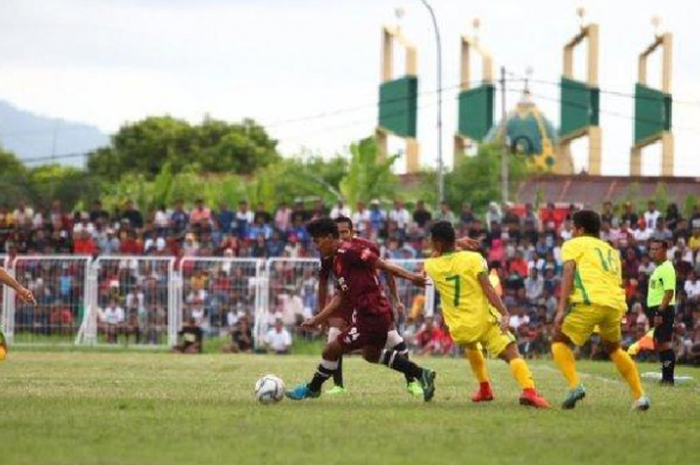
[309,69]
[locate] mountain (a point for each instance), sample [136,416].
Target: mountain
[35,139]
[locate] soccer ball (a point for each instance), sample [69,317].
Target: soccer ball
[269,389]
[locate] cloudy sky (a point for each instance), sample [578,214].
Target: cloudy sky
[310,68]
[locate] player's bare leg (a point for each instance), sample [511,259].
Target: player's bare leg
[478,366]
[523,376]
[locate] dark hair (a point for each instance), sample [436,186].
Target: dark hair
[323,227]
[344,219]
[663,243]
[444,232]
[588,220]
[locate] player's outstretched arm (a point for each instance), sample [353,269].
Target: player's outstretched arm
[323,316]
[23,293]
[396,270]
[467,243]
[494,300]
[567,285]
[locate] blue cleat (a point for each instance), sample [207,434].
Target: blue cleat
[302,392]
[576,394]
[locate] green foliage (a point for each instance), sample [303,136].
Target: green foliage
[661,197]
[71,185]
[368,177]
[689,205]
[214,146]
[477,180]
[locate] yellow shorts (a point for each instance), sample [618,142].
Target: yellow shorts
[491,337]
[581,320]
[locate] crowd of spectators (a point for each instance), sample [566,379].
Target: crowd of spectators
[521,243]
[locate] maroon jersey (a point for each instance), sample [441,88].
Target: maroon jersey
[355,271]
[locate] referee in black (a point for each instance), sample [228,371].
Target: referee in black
[661,301]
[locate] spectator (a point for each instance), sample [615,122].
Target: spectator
[283,217]
[608,213]
[629,214]
[421,216]
[651,215]
[278,339]
[200,214]
[191,339]
[132,215]
[241,338]
[494,215]
[446,213]
[97,213]
[519,319]
[112,319]
[376,220]
[299,215]
[400,217]
[179,218]
[361,220]
[673,216]
[534,286]
[161,219]
[261,215]
[244,218]
[340,210]
[692,287]
[466,217]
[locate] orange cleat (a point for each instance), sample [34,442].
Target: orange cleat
[483,394]
[530,398]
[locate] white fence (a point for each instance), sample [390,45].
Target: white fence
[144,301]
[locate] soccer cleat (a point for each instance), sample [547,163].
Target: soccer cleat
[642,404]
[530,398]
[427,381]
[483,394]
[302,392]
[335,390]
[414,388]
[576,394]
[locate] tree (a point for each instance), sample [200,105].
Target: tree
[14,184]
[368,177]
[70,185]
[477,179]
[212,147]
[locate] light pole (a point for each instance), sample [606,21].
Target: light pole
[441,169]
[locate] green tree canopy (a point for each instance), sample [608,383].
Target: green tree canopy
[368,177]
[477,179]
[214,146]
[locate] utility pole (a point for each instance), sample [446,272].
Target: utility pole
[504,139]
[440,163]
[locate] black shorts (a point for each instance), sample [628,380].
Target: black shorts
[664,332]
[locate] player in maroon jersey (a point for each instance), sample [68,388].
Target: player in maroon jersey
[343,317]
[355,268]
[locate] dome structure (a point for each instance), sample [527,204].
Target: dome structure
[529,134]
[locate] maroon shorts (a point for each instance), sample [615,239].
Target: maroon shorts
[366,329]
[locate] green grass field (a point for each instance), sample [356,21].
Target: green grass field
[155,408]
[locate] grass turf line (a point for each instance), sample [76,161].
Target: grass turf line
[151,408]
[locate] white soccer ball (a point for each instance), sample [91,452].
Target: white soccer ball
[269,389]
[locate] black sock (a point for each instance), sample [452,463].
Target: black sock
[396,361]
[668,365]
[338,373]
[324,371]
[402,349]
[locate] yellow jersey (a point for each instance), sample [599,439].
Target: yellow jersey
[598,276]
[464,305]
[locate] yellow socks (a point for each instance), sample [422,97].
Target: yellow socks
[628,370]
[521,373]
[564,358]
[478,364]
